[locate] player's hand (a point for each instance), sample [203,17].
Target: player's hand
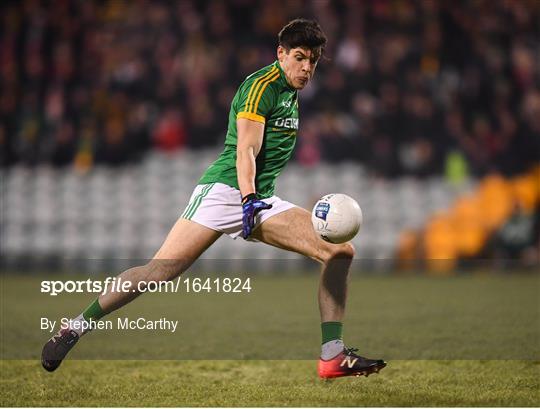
[251,206]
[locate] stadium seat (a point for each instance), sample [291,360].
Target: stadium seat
[496,201]
[526,190]
[127,212]
[440,244]
[466,216]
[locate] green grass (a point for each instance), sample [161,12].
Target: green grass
[464,341]
[268,383]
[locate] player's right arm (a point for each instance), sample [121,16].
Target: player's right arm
[250,138]
[255,100]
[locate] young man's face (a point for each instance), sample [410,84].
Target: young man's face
[298,64]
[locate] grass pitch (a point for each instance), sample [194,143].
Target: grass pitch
[268,383]
[466,341]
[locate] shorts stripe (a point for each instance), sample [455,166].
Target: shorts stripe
[197,201]
[192,203]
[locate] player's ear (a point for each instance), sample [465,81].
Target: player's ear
[281,53]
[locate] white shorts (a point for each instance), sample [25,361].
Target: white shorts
[218,207]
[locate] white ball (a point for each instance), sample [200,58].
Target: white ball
[336,218]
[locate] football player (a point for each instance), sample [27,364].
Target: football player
[235,196]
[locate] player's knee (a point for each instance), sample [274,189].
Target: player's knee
[348,250]
[345,251]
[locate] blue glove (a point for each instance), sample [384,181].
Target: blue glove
[251,206]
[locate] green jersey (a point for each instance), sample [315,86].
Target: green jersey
[265,97]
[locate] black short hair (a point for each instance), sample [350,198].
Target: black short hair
[305,34]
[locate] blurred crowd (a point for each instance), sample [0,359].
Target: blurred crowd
[406,87]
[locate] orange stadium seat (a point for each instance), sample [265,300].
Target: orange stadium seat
[440,245]
[468,226]
[526,190]
[496,201]
[464,230]
[407,251]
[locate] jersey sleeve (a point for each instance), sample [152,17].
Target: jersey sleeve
[257,97]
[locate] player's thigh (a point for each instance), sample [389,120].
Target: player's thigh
[186,241]
[292,230]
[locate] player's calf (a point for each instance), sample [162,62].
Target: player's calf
[56,349]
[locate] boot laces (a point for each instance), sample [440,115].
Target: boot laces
[351,352]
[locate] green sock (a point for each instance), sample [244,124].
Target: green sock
[94,311]
[331,330]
